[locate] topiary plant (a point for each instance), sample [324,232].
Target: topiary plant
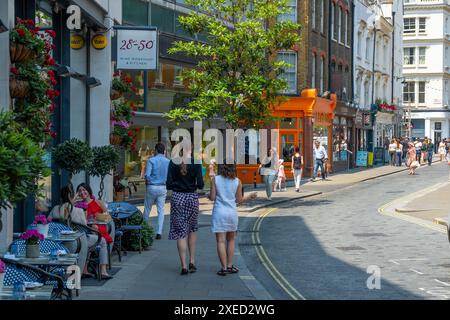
[22,163]
[132,243]
[105,159]
[73,156]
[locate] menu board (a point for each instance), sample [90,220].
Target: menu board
[361,158]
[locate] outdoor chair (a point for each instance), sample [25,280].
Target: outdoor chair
[121,212]
[20,272]
[93,256]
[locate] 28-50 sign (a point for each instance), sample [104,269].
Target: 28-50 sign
[141,45]
[137,48]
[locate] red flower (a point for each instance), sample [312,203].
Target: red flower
[53,134]
[37,29]
[52,107]
[21,32]
[51,73]
[130,134]
[29,22]
[13,70]
[137,129]
[54,82]
[50,61]
[133,113]
[51,33]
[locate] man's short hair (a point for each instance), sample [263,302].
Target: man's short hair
[160,148]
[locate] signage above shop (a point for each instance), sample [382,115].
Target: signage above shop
[76,42]
[99,41]
[137,48]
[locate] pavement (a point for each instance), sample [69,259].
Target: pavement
[155,273]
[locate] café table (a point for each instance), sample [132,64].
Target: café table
[39,293]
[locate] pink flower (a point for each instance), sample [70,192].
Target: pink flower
[42,219]
[2,267]
[32,236]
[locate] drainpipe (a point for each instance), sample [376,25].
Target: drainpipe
[88,93]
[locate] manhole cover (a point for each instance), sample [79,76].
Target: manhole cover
[370,235]
[351,248]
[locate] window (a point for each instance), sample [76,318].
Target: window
[339,29]
[313,71]
[291,15]
[289,73]
[332,22]
[322,16]
[358,51]
[135,12]
[313,14]
[422,25]
[409,25]
[422,55]
[322,69]
[409,92]
[366,93]
[409,56]
[346,28]
[178,70]
[368,42]
[422,92]
[438,126]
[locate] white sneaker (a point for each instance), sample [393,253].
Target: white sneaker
[284,190]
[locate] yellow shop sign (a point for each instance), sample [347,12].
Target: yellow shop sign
[76,41]
[99,41]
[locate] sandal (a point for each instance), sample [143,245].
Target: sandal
[192,268]
[184,271]
[232,269]
[222,272]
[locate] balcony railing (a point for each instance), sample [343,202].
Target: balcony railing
[426,2]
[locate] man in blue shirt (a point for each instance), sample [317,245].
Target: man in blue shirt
[155,179]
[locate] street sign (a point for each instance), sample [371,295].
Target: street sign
[137,48]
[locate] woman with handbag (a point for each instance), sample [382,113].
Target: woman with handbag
[411,162]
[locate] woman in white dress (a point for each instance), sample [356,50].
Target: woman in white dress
[441,150]
[226,191]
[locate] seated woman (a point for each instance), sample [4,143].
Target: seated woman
[67,211]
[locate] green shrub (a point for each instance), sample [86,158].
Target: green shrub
[21,163]
[73,156]
[104,160]
[132,243]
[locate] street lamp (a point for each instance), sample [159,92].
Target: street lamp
[3,28]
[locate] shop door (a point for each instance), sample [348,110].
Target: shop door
[288,142]
[437,140]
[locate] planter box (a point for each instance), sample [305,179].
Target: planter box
[18,88]
[20,53]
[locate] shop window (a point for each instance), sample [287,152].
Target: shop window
[438,126]
[287,146]
[288,123]
[135,12]
[320,133]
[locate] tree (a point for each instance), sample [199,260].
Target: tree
[73,156]
[236,77]
[105,159]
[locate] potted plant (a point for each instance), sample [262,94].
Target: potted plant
[105,159]
[121,189]
[25,41]
[41,222]
[121,133]
[73,156]
[32,238]
[2,274]
[21,163]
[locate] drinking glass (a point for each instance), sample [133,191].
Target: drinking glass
[54,254]
[19,291]
[15,249]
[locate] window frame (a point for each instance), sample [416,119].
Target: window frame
[411,25]
[295,66]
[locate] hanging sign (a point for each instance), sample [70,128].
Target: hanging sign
[76,41]
[99,41]
[137,48]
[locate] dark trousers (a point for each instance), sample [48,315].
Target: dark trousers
[319,163]
[418,155]
[399,159]
[430,157]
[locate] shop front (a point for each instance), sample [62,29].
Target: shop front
[299,121]
[343,137]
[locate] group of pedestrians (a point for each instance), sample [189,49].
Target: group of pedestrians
[184,180]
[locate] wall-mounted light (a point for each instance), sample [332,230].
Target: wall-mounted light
[92,82]
[3,28]
[65,71]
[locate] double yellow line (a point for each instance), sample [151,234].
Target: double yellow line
[273,271]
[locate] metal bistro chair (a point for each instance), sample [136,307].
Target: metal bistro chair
[121,212]
[20,272]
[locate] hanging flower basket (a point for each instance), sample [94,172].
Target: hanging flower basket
[116,94]
[21,53]
[115,140]
[18,88]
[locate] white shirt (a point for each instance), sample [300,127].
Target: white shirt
[320,153]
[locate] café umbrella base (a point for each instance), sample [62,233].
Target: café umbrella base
[32,251]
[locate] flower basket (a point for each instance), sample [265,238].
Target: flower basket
[32,251]
[116,94]
[115,140]
[21,53]
[18,88]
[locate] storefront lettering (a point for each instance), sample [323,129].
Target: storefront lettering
[74,20]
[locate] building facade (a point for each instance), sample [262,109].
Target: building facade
[426,46]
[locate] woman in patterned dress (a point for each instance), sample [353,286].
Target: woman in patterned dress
[184,180]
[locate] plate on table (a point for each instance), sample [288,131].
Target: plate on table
[67,232]
[32,285]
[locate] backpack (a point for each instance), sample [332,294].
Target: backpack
[297,163]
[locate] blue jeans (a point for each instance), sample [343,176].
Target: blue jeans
[155,194]
[399,159]
[319,163]
[268,180]
[430,157]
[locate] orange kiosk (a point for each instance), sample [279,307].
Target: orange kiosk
[299,121]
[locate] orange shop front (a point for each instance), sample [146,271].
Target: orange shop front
[299,121]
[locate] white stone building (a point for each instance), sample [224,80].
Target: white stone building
[426,42]
[378,61]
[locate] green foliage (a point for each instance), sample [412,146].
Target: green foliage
[73,156]
[104,160]
[122,113]
[147,234]
[21,162]
[237,74]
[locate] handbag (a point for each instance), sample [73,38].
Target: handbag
[415,164]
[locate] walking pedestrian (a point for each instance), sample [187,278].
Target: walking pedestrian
[392,152]
[398,152]
[441,150]
[184,180]
[297,161]
[424,150]
[418,147]
[155,180]
[226,191]
[430,151]
[412,162]
[404,148]
[448,161]
[320,154]
[268,169]
[281,175]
